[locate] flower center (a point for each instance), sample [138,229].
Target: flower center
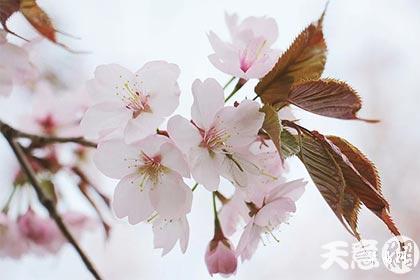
[135,101]
[213,139]
[47,124]
[251,53]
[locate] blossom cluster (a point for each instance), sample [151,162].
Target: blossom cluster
[153,153]
[217,141]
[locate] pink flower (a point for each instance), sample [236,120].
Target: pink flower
[248,54]
[168,231]
[277,206]
[128,104]
[151,174]
[42,233]
[233,212]
[12,243]
[55,113]
[14,65]
[220,257]
[78,223]
[220,254]
[214,133]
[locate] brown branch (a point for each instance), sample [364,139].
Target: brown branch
[45,201]
[40,140]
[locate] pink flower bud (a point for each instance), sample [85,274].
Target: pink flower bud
[40,231]
[220,257]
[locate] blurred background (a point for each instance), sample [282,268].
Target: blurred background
[373,45]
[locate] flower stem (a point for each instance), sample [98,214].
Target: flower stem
[238,86]
[216,217]
[229,82]
[9,134]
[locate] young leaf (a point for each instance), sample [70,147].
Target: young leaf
[327,97]
[305,59]
[325,172]
[289,144]
[38,19]
[8,8]
[272,125]
[368,171]
[344,176]
[35,16]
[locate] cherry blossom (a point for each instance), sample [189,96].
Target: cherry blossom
[167,231]
[131,104]
[12,243]
[233,212]
[15,66]
[220,257]
[276,209]
[248,54]
[214,133]
[55,112]
[43,235]
[150,173]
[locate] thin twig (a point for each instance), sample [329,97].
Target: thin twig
[40,140]
[48,203]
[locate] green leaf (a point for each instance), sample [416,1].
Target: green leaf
[272,125]
[289,144]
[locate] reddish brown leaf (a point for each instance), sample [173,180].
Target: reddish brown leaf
[35,16]
[38,19]
[305,59]
[7,9]
[327,97]
[368,171]
[344,176]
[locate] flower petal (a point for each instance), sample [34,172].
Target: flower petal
[131,200]
[6,82]
[241,123]
[205,168]
[109,83]
[249,241]
[183,133]
[174,159]
[275,212]
[208,100]
[167,231]
[171,197]
[142,126]
[104,120]
[115,159]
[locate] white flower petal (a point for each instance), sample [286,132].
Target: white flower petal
[241,123]
[103,120]
[208,100]
[205,168]
[275,212]
[142,126]
[183,133]
[6,82]
[116,159]
[171,197]
[174,159]
[109,83]
[131,200]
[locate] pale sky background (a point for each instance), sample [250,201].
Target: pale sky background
[373,45]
